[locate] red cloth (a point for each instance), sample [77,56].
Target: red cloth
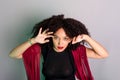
[31,59]
[81,62]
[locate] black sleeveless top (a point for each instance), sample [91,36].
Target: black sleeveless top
[58,65]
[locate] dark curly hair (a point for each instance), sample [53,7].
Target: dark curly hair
[71,26]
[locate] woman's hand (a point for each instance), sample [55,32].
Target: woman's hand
[77,39]
[96,50]
[42,36]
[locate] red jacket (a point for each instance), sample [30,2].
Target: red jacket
[31,59]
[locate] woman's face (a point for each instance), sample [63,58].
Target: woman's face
[60,40]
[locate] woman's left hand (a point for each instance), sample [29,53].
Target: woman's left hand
[77,39]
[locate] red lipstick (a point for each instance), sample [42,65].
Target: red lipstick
[59,47]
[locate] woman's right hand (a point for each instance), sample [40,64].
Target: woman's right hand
[42,36]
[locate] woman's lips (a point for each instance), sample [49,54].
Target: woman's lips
[59,47]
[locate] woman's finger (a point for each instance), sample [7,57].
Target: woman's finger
[48,33]
[40,31]
[74,40]
[48,36]
[45,31]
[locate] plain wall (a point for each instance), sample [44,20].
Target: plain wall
[101,17]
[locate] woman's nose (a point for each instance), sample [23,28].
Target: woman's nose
[59,42]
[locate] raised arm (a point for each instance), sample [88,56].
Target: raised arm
[40,38]
[19,50]
[96,50]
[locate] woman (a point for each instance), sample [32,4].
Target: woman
[61,42]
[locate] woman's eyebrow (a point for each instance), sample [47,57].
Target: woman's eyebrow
[54,35]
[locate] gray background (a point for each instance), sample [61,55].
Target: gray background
[102,18]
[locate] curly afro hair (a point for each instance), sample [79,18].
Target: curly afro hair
[71,26]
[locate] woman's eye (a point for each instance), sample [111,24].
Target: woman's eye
[55,37]
[66,38]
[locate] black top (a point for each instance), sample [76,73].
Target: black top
[58,65]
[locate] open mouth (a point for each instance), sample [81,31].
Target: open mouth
[59,47]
